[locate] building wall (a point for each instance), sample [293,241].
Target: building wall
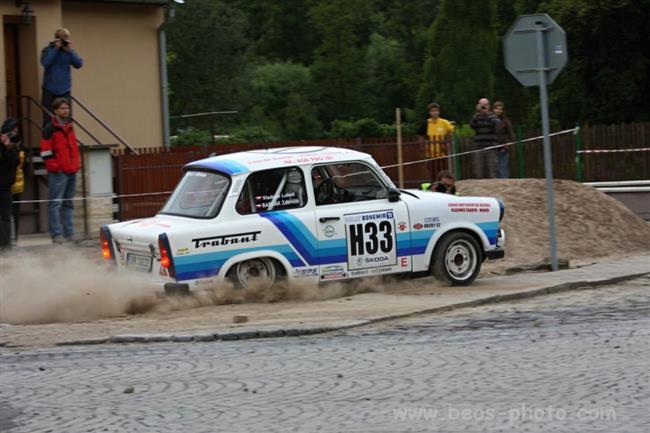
[47,18]
[120,79]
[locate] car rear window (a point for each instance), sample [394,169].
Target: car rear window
[199,194]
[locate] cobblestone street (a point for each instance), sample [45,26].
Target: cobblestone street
[576,361]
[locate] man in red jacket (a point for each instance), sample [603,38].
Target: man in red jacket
[60,151]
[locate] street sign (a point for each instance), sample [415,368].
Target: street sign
[520,48]
[535,52]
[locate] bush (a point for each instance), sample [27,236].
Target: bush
[464,130]
[192,137]
[250,134]
[365,127]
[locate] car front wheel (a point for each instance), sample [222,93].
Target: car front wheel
[256,274]
[457,259]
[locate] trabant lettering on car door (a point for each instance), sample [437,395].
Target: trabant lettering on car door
[371,239]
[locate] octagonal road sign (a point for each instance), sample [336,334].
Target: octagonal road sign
[520,46]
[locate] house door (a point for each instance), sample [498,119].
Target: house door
[12,70]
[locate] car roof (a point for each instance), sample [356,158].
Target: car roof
[264,159]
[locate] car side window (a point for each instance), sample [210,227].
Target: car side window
[269,190]
[346,182]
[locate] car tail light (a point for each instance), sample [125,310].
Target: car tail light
[106,242]
[166,260]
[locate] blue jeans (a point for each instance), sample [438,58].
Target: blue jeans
[59,211]
[504,169]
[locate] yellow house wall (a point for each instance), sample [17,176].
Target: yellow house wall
[120,79]
[47,18]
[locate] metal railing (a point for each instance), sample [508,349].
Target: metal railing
[104,125]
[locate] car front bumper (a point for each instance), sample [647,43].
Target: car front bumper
[498,252]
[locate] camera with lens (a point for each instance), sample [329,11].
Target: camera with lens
[13,136]
[65,42]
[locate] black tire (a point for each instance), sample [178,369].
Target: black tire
[457,258]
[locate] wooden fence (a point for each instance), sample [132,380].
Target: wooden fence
[158,170]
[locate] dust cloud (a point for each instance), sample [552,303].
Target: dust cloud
[64,284]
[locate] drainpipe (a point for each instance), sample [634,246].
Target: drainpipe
[164,84]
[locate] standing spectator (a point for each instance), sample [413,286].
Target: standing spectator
[8,165]
[435,131]
[60,151]
[485,124]
[18,187]
[505,134]
[56,58]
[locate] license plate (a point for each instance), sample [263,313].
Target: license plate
[139,263]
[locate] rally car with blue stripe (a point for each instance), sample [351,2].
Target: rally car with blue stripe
[309,213]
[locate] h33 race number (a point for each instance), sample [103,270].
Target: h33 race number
[371,244]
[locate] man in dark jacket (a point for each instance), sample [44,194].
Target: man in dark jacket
[57,58]
[8,165]
[485,124]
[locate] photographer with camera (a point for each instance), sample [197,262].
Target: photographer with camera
[485,124]
[57,58]
[9,162]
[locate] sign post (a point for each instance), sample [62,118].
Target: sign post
[398,127]
[535,53]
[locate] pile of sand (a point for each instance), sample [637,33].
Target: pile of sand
[589,224]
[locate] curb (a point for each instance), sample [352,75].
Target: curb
[251,333]
[235,334]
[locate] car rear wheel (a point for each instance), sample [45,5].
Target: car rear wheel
[257,274]
[457,259]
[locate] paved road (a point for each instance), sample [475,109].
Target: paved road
[571,362]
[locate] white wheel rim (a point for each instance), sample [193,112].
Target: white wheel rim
[256,274]
[460,260]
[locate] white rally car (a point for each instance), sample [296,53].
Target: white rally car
[314,213]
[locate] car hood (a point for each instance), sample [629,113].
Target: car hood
[419,196]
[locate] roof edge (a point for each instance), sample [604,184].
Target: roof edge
[135,2]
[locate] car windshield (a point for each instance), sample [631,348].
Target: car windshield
[199,194]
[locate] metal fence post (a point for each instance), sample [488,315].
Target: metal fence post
[520,152]
[578,154]
[455,151]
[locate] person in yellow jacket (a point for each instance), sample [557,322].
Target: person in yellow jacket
[435,132]
[18,186]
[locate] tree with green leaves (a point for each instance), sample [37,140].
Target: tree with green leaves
[338,66]
[284,96]
[280,30]
[207,44]
[461,58]
[512,93]
[407,23]
[606,79]
[386,85]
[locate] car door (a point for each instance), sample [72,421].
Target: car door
[360,232]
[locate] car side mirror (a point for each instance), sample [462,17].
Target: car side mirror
[393,194]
